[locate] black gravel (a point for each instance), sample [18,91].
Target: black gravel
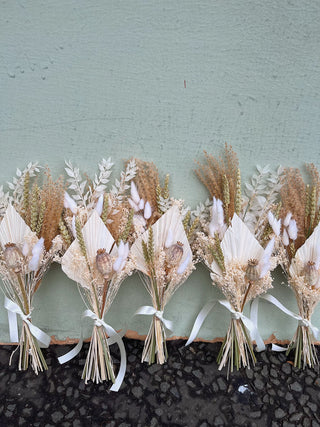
[187,391]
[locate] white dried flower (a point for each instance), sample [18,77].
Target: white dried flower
[134,193]
[37,252]
[147,210]
[274,223]
[287,219]
[217,224]
[293,229]
[99,205]
[69,203]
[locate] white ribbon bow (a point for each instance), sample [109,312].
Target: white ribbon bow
[114,337]
[13,310]
[149,311]
[249,324]
[303,322]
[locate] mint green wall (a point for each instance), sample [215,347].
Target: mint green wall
[82,80]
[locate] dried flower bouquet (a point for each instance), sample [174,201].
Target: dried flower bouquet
[98,265]
[298,248]
[29,244]
[100,223]
[161,251]
[234,244]
[164,257]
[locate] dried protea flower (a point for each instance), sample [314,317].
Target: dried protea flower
[252,271]
[13,257]
[174,254]
[311,274]
[104,263]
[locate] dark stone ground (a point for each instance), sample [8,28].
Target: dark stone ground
[187,391]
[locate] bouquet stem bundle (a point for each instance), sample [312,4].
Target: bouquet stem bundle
[98,366]
[303,346]
[98,265]
[155,346]
[237,349]
[30,352]
[163,256]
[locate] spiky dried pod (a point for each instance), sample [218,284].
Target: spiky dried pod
[252,271]
[311,274]
[104,263]
[174,254]
[13,257]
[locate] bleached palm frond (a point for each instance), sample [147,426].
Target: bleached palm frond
[13,228]
[168,222]
[96,236]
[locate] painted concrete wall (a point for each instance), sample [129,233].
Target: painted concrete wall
[162,81]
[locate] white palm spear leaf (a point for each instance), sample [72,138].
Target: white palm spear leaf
[169,223]
[309,251]
[238,244]
[13,229]
[96,236]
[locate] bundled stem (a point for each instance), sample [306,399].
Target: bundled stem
[236,350]
[98,366]
[303,346]
[155,347]
[30,352]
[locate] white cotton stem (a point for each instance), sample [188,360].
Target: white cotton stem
[212,229]
[265,260]
[99,205]
[287,219]
[293,229]
[183,266]
[69,203]
[217,224]
[121,249]
[134,206]
[36,253]
[147,210]
[134,193]
[285,238]
[169,239]
[117,264]
[275,224]
[25,249]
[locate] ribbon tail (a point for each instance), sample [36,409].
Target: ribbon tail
[76,350]
[72,353]
[123,358]
[254,319]
[41,336]
[167,323]
[12,319]
[254,334]
[199,320]
[277,348]
[146,310]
